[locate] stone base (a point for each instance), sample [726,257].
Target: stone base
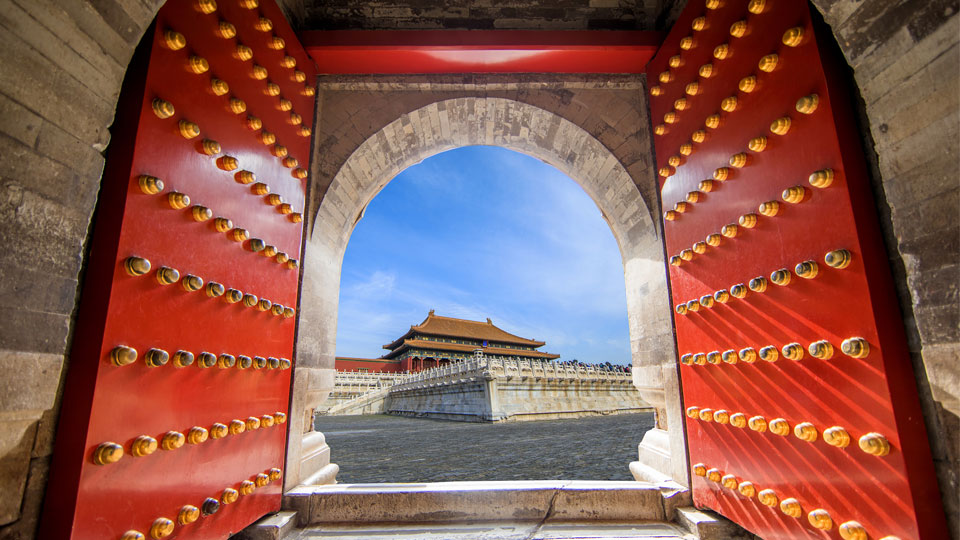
[654,454]
[272,527]
[706,525]
[315,466]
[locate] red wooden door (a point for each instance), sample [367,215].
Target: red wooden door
[173,418]
[802,414]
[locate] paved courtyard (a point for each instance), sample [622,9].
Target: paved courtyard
[382,448]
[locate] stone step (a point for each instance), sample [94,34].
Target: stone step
[513,501]
[500,530]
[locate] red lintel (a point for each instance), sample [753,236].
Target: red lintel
[480,51]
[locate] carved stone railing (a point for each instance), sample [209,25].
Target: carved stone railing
[488,369]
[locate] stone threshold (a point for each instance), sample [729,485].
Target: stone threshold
[515,501]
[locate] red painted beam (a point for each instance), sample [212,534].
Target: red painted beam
[480,51]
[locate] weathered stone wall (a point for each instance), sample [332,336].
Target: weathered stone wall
[906,64]
[470,14]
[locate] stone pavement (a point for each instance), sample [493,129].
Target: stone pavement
[396,449]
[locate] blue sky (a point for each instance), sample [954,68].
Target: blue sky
[482,232]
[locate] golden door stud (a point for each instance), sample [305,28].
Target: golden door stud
[197,435]
[856,347]
[807,269]
[721,416]
[793,37]
[838,258]
[730,356]
[738,291]
[729,104]
[136,266]
[792,351]
[107,453]
[700,469]
[713,357]
[700,359]
[156,357]
[172,440]
[237,427]
[738,420]
[214,289]
[721,52]
[768,497]
[747,489]
[206,360]
[209,506]
[229,496]
[748,355]
[163,109]
[757,144]
[757,423]
[791,507]
[218,431]
[756,6]
[729,230]
[821,349]
[714,475]
[805,431]
[820,519]
[874,444]
[192,283]
[747,84]
[836,436]
[738,29]
[225,361]
[226,30]
[721,296]
[852,530]
[706,415]
[177,200]
[161,528]
[769,353]
[769,208]
[781,277]
[149,185]
[768,63]
[167,275]
[712,121]
[250,300]
[779,426]
[821,179]
[780,126]
[182,359]
[188,514]
[687,43]
[206,6]
[794,195]
[188,129]
[758,284]
[808,104]
[748,221]
[219,87]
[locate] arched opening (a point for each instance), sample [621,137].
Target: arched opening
[452,123]
[468,235]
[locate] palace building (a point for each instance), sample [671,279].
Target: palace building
[441,340]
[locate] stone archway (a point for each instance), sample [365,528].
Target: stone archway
[465,121]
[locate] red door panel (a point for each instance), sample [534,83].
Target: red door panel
[791,465]
[168,94]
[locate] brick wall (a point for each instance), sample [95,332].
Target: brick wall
[906,62]
[470,14]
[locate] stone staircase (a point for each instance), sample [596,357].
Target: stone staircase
[520,510]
